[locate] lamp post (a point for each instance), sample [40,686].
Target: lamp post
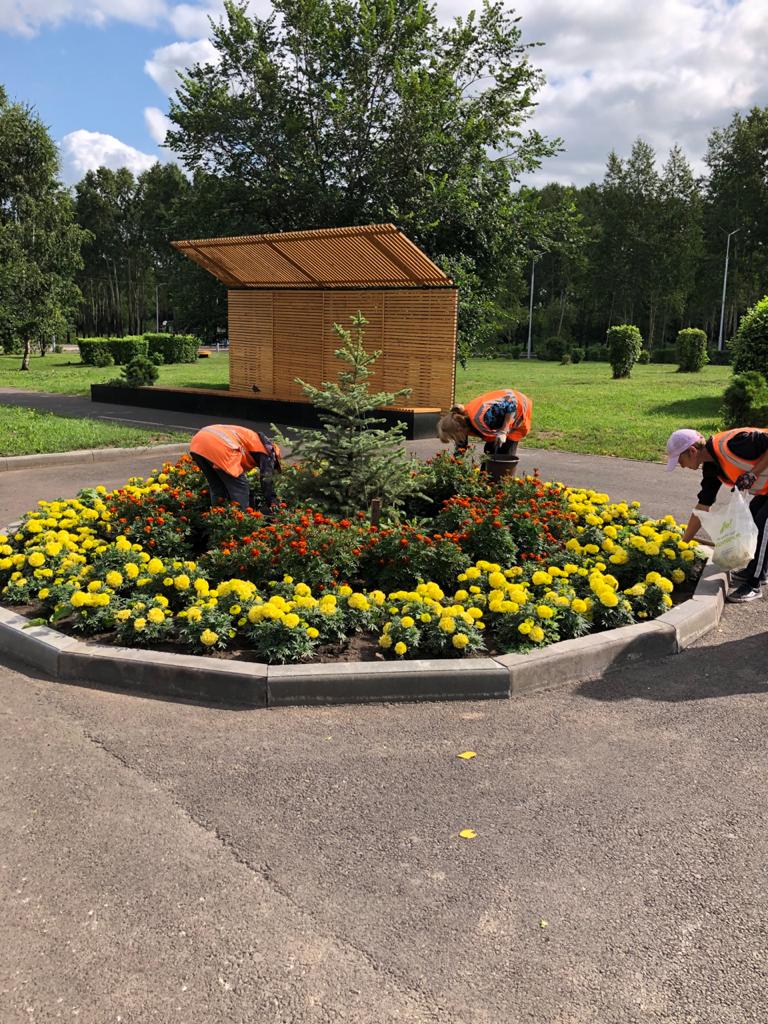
[725,281]
[530,303]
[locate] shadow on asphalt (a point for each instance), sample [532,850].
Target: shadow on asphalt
[727,670]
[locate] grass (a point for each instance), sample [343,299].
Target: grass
[64,374]
[29,432]
[577,408]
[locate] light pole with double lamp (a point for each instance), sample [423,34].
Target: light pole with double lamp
[725,281]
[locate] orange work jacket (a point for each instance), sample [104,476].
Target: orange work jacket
[476,411]
[228,447]
[734,465]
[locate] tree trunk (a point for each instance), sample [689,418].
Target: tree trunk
[562,312]
[27,352]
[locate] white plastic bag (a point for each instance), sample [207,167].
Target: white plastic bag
[732,529]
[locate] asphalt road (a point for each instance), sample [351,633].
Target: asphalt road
[173,862]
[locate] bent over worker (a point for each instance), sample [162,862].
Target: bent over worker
[501,418]
[225,452]
[737,458]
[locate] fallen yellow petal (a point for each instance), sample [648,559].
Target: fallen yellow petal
[543,923]
[468,833]
[467,755]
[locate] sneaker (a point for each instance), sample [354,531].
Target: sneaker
[746,592]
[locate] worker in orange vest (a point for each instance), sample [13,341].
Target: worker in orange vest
[225,452]
[737,458]
[501,418]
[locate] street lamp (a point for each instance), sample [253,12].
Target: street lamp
[725,281]
[530,304]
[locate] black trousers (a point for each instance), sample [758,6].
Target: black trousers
[758,567]
[223,487]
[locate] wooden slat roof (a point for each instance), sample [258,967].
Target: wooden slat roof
[369,256]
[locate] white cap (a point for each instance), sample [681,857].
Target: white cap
[679,442]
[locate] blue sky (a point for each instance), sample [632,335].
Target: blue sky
[100,72]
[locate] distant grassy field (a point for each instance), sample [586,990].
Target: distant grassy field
[581,409]
[576,408]
[29,432]
[64,374]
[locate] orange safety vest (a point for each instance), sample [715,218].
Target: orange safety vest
[478,407]
[734,465]
[228,447]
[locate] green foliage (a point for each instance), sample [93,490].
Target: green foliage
[624,346]
[644,358]
[351,460]
[121,350]
[692,350]
[479,317]
[597,353]
[39,241]
[577,354]
[138,373]
[554,348]
[749,346]
[664,355]
[100,356]
[745,402]
[174,348]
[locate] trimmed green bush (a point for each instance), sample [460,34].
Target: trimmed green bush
[644,357]
[577,355]
[89,348]
[140,372]
[749,345]
[596,354]
[101,356]
[691,350]
[174,348]
[745,402]
[122,350]
[625,344]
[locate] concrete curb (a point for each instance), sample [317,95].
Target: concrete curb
[250,684]
[163,451]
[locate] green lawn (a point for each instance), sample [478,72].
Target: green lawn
[29,432]
[576,408]
[64,374]
[581,409]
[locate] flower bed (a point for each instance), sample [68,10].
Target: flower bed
[475,567]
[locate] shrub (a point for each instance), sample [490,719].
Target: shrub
[517,352]
[174,348]
[554,348]
[719,357]
[624,346]
[577,355]
[745,402]
[644,357]
[749,346]
[101,356]
[92,349]
[126,349]
[139,372]
[566,359]
[691,350]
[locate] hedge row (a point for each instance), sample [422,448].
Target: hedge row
[162,348]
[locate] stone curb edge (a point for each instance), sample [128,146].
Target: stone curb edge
[251,684]
[9,463]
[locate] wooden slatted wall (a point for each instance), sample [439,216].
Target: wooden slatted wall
[276,336]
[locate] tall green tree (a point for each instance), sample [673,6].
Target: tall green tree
[335,112]
[39,239]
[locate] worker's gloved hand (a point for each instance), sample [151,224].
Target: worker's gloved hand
[501,438]
[745,481]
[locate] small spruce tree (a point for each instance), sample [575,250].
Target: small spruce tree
[351,459]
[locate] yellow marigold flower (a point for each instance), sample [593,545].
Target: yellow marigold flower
[208,637]
[447,624]
[131,570]
[78,599]
[123,614]
[497,579]
[42,594]
[678,575]
[114,579]
[425,617]
[194,614]
[666,600]
[182,582]
[537,634]
[578,606]
[291,620]
[312,633]
[406,621]
[302,590]
[235,609]
[544,611]
[94,585]
[525,627]
[139,624]
[472,573]
[541,578]
[168,581]
[287,579]
[155,566]
[156,615]
[385,640]
[36,559]
[400,648]
[608,598]
[460,641]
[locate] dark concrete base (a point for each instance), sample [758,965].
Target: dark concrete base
[420,424]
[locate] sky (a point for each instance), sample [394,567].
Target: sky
[100,73]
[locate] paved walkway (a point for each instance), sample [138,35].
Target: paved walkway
[164,861]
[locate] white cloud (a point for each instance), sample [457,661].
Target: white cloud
[27,17]
[157,124]
[83,151]
[166,62]
[669,71]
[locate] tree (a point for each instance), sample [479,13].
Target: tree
[333,112]
[350,460]
[39,241]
